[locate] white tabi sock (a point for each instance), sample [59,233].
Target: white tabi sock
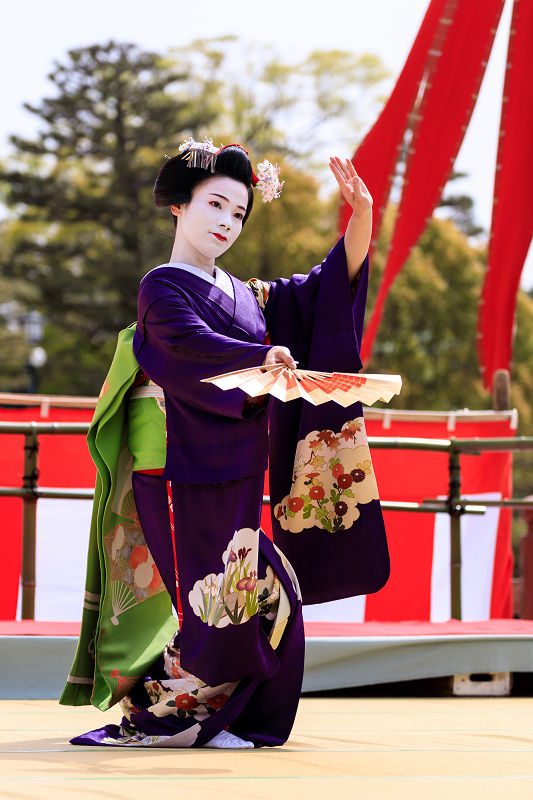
[226,740]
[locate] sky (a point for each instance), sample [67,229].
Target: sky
[35,33]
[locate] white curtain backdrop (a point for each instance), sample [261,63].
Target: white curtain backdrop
[62,541]
[478,544]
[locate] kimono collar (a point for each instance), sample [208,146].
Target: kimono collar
[221,279]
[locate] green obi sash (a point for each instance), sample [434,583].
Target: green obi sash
[127,619]
[147,427]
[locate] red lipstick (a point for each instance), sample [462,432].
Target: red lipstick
[220,237]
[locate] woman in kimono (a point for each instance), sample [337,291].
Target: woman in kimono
[178,524]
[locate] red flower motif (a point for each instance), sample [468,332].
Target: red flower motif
[341,508]
[337,470]
[186,702]
[296,503]
[312,474]
[345,481]
[217,701]
[358,475]
[138,556]
[279,512]
[324,436]
[316,492]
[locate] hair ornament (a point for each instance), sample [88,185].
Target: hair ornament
[200,154]
[268,181]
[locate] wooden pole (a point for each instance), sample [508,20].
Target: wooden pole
[455,511]
[29,518]
[501,390]
[526,566]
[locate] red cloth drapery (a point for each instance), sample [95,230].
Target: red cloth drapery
[441,121]
[512,216]
[377,155]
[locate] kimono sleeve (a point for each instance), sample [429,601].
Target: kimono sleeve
[326,515]
[177,349]
[319,316]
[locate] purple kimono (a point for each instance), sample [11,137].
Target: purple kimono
[241,643]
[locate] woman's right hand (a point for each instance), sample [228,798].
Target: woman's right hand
[280,355]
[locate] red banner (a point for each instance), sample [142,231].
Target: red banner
[441,120]
[512,216]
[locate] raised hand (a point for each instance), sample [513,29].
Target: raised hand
[359,229]
[352,187]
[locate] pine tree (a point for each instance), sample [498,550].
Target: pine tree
[85,227]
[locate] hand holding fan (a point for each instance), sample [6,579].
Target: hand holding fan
[316,387]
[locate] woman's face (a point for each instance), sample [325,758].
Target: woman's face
[212,221]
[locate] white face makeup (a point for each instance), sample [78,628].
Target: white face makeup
[211,222]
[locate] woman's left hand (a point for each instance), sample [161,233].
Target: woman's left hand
[359,228]
[352,187]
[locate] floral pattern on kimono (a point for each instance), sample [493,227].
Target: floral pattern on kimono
[260,290]
[236,595]
[332,475]
[182,695]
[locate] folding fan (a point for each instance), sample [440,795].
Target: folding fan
[315,387]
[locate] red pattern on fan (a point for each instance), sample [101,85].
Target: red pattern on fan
[315,387]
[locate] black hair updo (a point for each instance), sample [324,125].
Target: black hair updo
[177,181]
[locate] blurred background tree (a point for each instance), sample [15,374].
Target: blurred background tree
[80,200]
[15,297]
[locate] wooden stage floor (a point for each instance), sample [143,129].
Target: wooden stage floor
[412,748]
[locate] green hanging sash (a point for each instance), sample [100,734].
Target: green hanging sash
[127,615]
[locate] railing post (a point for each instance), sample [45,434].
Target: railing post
[29,520]
[526,565]
[454,510]
[501,390]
